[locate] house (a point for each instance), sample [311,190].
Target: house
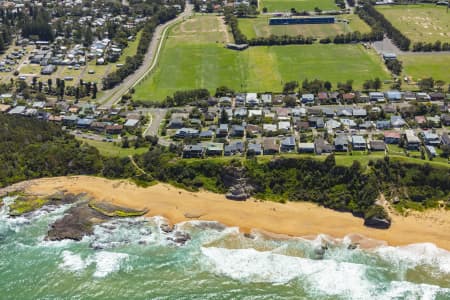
[270,146]
[383,124]
[409,96]
[322,146]
[18,110]
[322,96]
[48,70]
[388,55]
[70,120]
[436,96]
[366,125]
[240,112]
[349,123]
[284,126]
[349,97]
[420,120]
[393,96]
[234,148]
[251,99]
[306,147]
[299,112]
[206,134]
[252,129]
[237,130]
[255,112]
[193,151]
[266,99]
[332,124]
[359,113]
[239,100]
[307,98]
[4,107]
[175,123]
[287,144]
[431,151]
[376,96]
[434,121]
[412,141]
[328,112]
[392,137]
[445,139]
[84,123]
[341,143]
[316,122]
[269,128]
[376,145]
[213,149]
[389,109]
[113,129]
[423,97]
[345,112]
[445,118]
[224,101]
[254,149]
[131,123]
[397,121]
[186,133]
[99,126]
[430,138]
[222,131]
[358,142]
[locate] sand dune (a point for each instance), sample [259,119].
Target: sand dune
[294,219]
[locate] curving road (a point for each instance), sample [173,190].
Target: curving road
[112,96]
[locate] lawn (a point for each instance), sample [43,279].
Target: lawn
[259,27]
[425,65]
[299,5]
[420,23]
[110,150]
[189,65]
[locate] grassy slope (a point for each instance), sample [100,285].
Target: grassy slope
[299,5]
[111,150]
[425,65]
[188,65]
[255,27]
[421,23]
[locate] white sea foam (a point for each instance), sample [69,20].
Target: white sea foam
[108,262]
[73,262]
[408,290]
[417,254]
[323,276]
[105,262]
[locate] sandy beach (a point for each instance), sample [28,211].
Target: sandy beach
[293,218]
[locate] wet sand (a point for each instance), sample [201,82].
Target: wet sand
[293,218]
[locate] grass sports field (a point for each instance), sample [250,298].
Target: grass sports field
[425,65]
[299,5]
[205,63]
[259,27]
[420,23]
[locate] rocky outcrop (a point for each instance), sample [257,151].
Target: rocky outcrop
[376,222]
[237,183]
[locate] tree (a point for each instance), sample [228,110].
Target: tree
[368,84]
[290,101]
[94,91]
[125,142]
[327,85]
[290,86]
[224,119]
[377,84]
[426,84]
[49,83]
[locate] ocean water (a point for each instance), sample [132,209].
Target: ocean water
[134,259]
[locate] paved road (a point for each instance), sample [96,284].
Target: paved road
[111,97]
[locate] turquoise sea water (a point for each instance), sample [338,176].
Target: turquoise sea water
[134,259]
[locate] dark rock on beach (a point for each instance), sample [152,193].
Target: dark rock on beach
[380,223]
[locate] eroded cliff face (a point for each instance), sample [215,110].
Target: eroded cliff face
[237,183]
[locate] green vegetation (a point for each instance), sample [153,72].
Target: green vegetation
[259,27]
[24,205]
[109,210]
[420,23]
[191,65]
[298,5]
[112,150]
[419,66]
